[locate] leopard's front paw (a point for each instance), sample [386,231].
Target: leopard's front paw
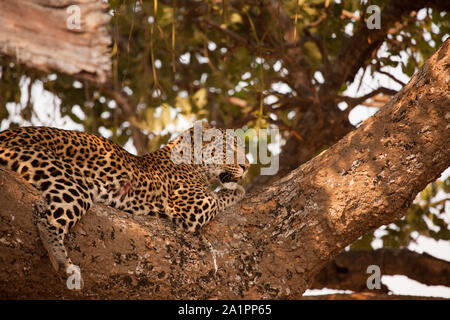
[239,191]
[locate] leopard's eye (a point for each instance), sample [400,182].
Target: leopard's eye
[225,177]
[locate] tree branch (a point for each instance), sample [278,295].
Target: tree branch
[74,42]
[392,77]
[348,271]
[358,100]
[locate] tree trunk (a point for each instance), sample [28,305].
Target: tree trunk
[68,36]
[275,242]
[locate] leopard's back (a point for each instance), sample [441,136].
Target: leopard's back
[43,153]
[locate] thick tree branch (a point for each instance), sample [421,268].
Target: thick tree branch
[47,35]
[348,271]
[275,242]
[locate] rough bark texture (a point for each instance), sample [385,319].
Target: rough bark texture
[275,242]
[36,32]
[348,271]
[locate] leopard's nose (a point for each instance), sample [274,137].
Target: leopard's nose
[244,167]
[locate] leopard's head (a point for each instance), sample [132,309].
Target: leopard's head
[219,153]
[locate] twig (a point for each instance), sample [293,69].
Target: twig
[358,100]
[392,77]
[348,14]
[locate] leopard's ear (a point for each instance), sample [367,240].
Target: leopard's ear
[176,140]
[204,125]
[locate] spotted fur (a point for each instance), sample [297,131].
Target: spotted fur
[73,170]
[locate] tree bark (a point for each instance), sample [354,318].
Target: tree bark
[68,36]
[348,271]
[275,242]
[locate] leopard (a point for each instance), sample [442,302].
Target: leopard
[74,170]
